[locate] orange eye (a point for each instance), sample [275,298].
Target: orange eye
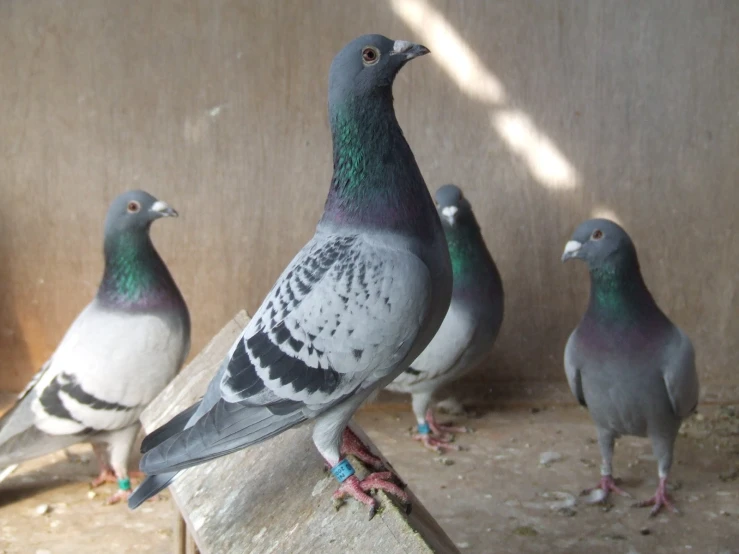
[597,234]
[133,207]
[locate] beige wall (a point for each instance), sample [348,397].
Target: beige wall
[545,112]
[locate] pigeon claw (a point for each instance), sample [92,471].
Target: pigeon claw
[660,500]
[374,481]
[107,475]
[443,429]
[607,485]
[118,496]
[436,444]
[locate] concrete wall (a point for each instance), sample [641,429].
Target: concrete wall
[545,112]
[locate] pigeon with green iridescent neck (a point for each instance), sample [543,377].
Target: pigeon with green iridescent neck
[360,301]
[470,327]
[626,361]
[119,353]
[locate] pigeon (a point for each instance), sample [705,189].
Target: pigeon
[119,353]
[626,361]
[355,306]
[470,327]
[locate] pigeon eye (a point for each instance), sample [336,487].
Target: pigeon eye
[597,234]
[370,55]
[133,207]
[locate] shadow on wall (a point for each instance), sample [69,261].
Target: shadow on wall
[14,356]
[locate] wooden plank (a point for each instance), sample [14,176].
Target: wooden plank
[276,496]
[179,532]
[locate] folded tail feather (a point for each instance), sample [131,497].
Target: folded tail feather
[34,443]
[149,487]
[175,425]
[226,428]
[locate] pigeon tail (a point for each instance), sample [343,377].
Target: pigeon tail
[226,428]
[33,443]
[150,487]
[174,426]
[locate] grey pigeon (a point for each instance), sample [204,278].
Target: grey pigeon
[470,327]
[119,353]
[626,361]
[349,313]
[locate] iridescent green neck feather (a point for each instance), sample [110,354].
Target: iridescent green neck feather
[476,277]
[467,251]
[376,181]
[135,276]
[618,292]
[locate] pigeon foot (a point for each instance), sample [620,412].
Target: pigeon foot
[442,429]
[374,481]
[607,485]
[436,444]
[660,500]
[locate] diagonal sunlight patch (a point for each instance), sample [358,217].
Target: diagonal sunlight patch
[545,162]
[460,62]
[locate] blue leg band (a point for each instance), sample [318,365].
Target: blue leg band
[124,484]
[342,471]
[424,429]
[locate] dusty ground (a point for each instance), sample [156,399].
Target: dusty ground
[496,497]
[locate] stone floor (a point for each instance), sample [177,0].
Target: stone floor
[494,497]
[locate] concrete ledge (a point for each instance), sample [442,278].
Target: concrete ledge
[275,497]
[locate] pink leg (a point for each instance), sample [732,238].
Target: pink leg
[607,485]
[351,444]
[441,429]
[659,500]
[106,475]
[374,481]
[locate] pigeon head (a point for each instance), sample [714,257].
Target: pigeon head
[135,210]
[453,207]
[376,181]
[368,65]
[473,268]
[135,276]
[600,242]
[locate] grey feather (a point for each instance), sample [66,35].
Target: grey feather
[475,314]
[626,361]
[117,355]
[354,306]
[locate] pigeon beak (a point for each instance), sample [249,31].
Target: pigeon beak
[571,250]
[162,209]
[408,50]
[450,214]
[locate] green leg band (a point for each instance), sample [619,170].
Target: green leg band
[124,484]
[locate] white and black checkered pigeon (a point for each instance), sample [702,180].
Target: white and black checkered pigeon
[470,327]
[626,361]
[119,353]
[360,301]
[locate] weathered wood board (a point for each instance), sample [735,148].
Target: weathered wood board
[276,496]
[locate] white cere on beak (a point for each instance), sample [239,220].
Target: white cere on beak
[401,46]
[449,212]
[163,208]
[572,246]
[159,206]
